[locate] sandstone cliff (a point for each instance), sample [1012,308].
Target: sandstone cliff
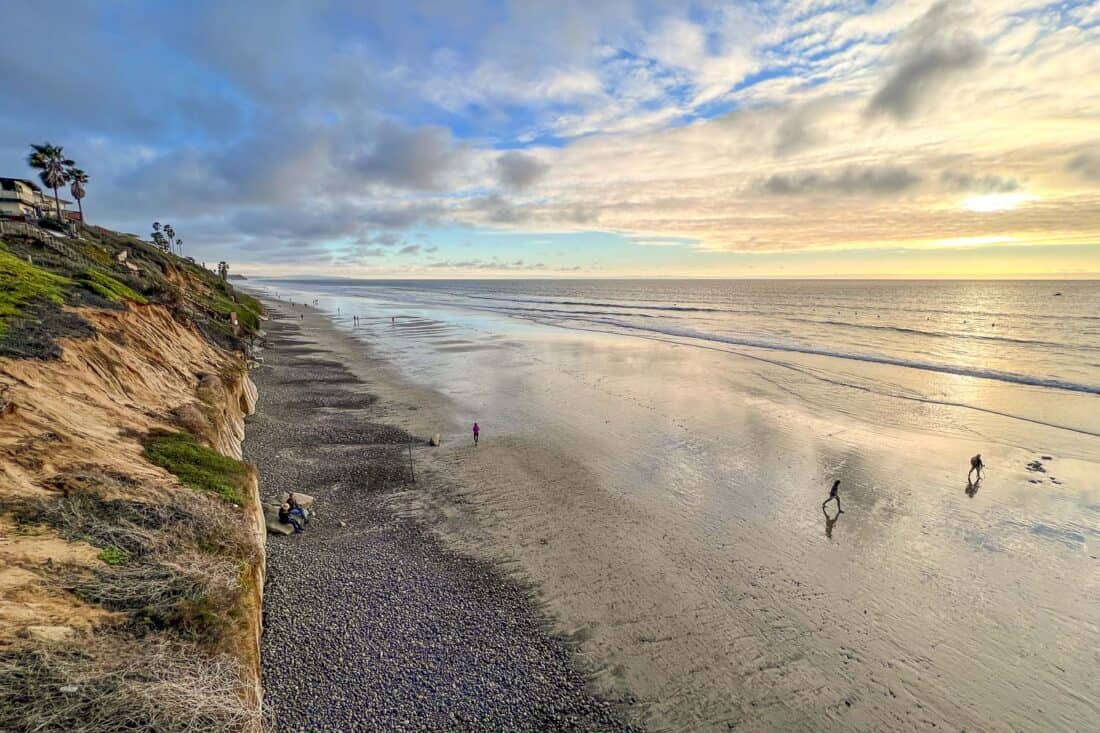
[131,535]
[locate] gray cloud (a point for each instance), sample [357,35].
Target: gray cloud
[1086,165]
[410,249]
[499,210]
[936,47]
[883,179]
[518,170]
[422,158]
[963,181]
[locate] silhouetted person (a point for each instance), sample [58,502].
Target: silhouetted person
[834,493]
[976,465]
[477,432]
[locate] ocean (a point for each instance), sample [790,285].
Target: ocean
[655,453]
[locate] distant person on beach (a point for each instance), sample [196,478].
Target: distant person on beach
[834,493]
[976,465]
[477,432]
[285,517]
[393,320]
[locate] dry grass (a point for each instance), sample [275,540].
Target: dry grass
[194,598]
[180,562]
[164,527]
[119,685]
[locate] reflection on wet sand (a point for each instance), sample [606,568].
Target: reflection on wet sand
[972,487]
[830,522]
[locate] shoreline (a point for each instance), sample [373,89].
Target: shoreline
[369,609]
[669,519]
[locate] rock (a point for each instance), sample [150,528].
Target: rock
[1047,458]
[1036,466]
[436,440]
[304,500]
[50,633]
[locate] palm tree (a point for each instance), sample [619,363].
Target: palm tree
[179,246]
[78,178]
[223,270]
[53,168]
[170,234]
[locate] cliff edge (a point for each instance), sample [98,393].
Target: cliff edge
[131,534]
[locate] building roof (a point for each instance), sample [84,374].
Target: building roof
[10,181]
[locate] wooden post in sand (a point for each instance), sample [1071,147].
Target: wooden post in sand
[411,469]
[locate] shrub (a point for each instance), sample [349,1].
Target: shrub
[198,466]
[21,283]
[108,287]
[114,555]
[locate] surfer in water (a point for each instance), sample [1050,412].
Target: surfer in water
[834,493]
[477,432]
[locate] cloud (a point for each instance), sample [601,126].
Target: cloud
[317,136]
[964,181]
[875,180]
[422,158]
[936,47]
[517,170]
[1086,165]
[410,249]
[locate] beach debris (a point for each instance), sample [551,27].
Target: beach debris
[1047,458]
[435,440]
[1036,466]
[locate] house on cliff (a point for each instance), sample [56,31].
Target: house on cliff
[22,200]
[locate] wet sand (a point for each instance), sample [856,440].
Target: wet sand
[670,518]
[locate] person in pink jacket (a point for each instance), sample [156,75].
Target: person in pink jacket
[477,432]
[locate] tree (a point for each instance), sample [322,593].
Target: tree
[53,168]
[159,239]
[170,234]
[223,270]
[179,246]
[78,178]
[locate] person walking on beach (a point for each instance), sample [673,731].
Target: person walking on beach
[834,493]
[975,465]
[477,433]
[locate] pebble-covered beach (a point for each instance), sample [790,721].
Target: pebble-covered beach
[369,623]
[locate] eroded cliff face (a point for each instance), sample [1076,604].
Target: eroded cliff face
[83,511]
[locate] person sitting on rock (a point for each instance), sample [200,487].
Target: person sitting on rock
[285,517]
[296,508]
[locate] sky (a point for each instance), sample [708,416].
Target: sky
[439,138]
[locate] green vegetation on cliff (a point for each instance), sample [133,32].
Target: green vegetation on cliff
[198,466]
[39,273]
[109,288]
[21,283]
